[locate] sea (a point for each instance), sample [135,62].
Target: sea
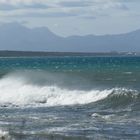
[70,98]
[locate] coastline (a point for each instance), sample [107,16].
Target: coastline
[12,53]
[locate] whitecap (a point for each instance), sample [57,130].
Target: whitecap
[18,92]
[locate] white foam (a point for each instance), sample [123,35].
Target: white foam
[128,72]
[4,135]
[106,117]
[17,91]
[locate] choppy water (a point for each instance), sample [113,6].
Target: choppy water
[70,98]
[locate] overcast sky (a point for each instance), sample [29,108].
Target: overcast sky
[74,17]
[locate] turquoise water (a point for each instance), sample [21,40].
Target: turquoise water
[70,98]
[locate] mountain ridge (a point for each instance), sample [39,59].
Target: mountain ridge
[14,36]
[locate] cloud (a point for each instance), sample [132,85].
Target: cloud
[76,3]
[60,3]
[58,8]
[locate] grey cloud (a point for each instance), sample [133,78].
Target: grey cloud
[52,14]
[89,17]
[40,14]
[36,6]
[59,8]
[8,7]
[75,3]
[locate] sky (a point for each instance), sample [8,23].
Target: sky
[74,17]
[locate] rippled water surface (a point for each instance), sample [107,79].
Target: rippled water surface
[70,98]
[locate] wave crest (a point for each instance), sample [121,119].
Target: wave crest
[121,97]
[18,92]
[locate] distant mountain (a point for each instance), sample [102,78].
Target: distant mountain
[14,36]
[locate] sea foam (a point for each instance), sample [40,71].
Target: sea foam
[4,135]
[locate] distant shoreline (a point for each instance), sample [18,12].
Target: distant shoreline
[7,53]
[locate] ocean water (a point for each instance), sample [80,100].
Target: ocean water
[70,98]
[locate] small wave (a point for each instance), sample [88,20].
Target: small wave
[121,97]
[128,72]
[105,117]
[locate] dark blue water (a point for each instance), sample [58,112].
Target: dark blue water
[70,98]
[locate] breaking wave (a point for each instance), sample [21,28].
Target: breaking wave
[16,90]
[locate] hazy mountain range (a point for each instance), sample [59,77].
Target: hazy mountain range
[14,36]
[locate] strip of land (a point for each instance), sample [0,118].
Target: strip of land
[6,53]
